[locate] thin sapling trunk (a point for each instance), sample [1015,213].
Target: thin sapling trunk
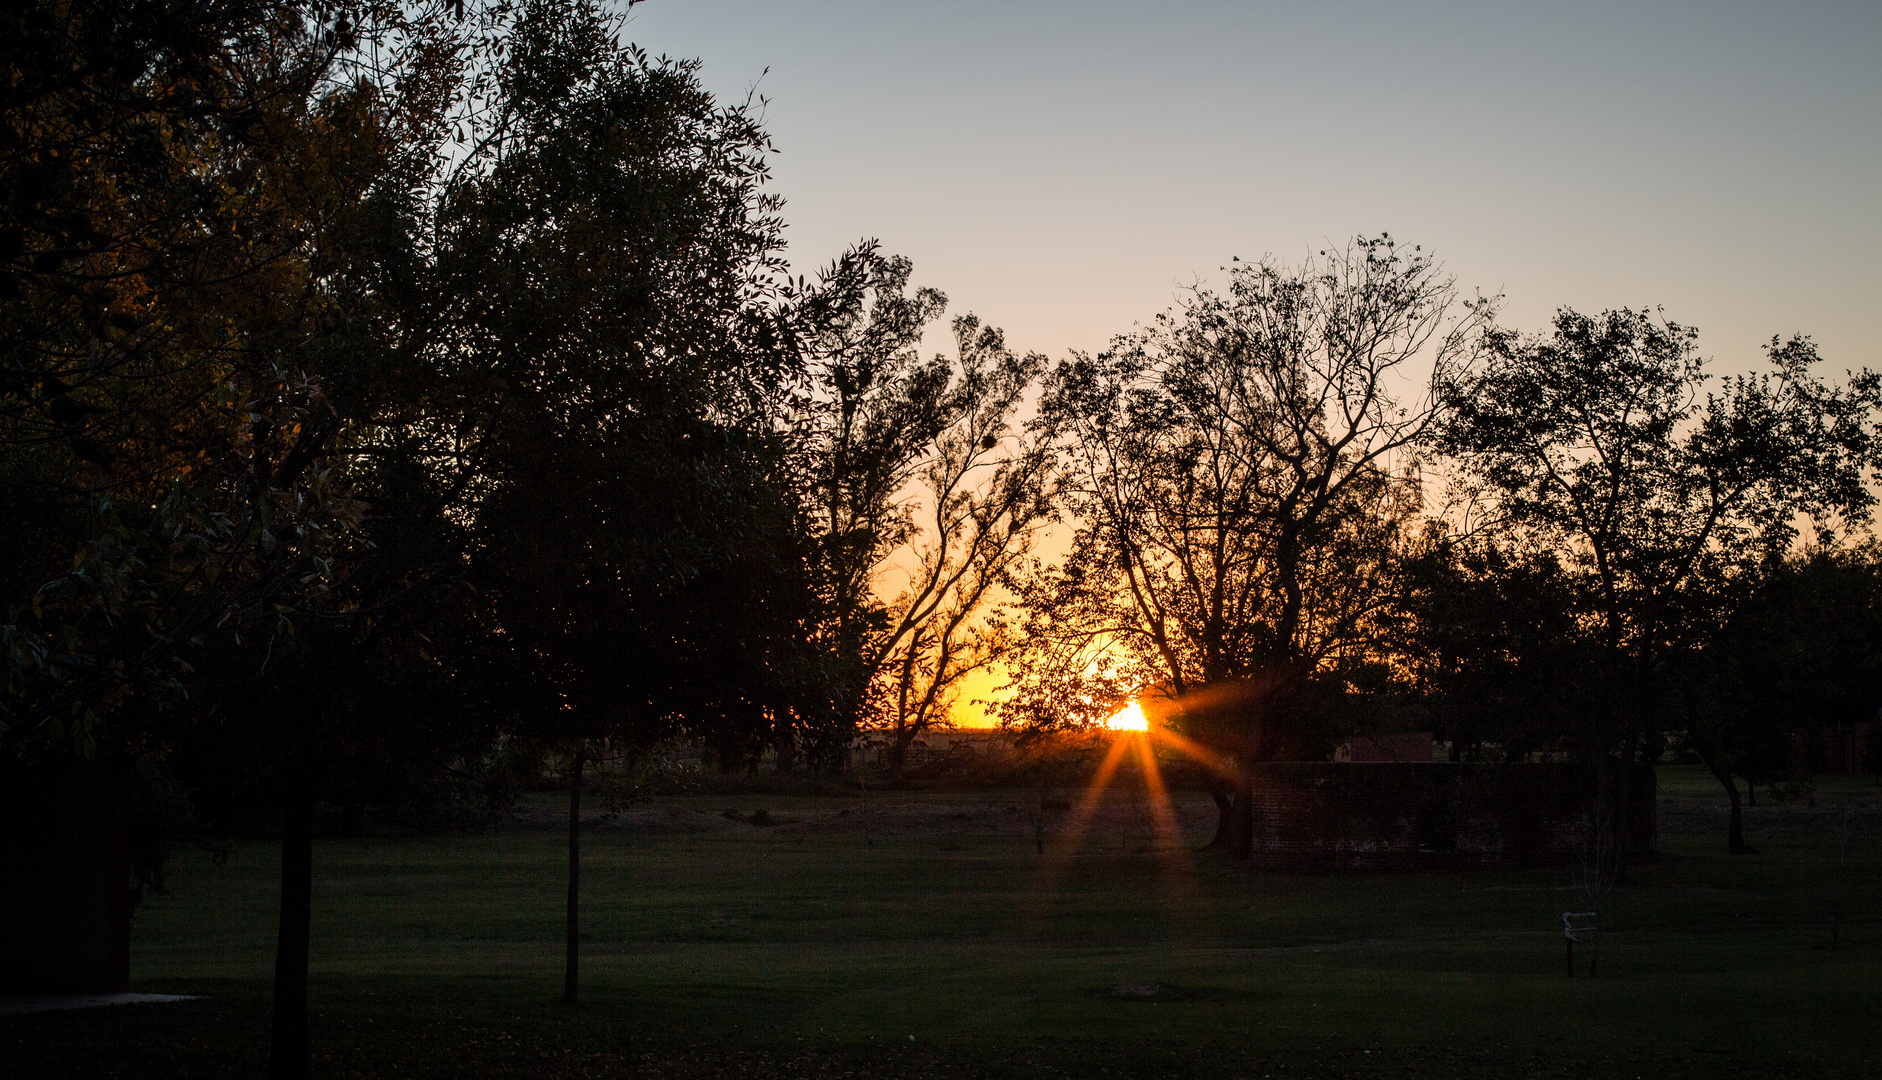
[1242,839]
[288,1046]
[1842,867]
[572,965]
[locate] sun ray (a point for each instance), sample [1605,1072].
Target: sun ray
[1174,856]
[1130,730]
[1164,815]
[1208,758]
[1087,808]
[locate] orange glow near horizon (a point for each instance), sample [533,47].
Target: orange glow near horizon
[1129,718]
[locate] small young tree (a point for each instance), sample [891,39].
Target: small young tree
[1596,873]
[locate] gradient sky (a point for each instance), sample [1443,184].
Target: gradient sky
[1063,169]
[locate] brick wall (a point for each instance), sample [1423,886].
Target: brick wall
[1429,815]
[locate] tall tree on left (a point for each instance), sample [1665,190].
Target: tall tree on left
[615,274]
[208,257]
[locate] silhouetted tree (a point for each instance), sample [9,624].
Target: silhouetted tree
[1243,475]
[208,219]
[915,470]
[1601,444]
[1489,637]
[613,273]
[296,300]
[1799,651]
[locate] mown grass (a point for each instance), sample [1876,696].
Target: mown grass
[956,954]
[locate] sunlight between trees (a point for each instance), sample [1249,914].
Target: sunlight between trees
[402,402]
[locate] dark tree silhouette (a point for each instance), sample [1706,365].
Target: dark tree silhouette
[1489,637]
[1799,651]
[296,303]
[1243,475]
[194,308]
[917,472]
[1600,443]
[616,285]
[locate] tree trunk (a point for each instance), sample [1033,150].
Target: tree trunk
[1623,802]
[898,754]
[1225,815]
[1735,832]
[572,966]
[1242,844]
[288,1049]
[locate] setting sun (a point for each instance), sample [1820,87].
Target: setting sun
[1129,718]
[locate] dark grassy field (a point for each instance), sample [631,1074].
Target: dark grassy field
[927,938]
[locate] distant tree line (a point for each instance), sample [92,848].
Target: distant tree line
[392,395]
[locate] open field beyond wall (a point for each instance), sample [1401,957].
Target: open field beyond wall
[922,936]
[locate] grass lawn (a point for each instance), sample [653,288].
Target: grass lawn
[960,952]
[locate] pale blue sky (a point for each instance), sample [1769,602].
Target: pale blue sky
[1061,169]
